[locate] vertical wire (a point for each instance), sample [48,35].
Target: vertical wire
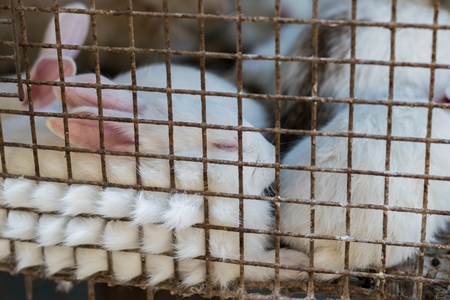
[30,100]
[242,294]
[63,94]
[176,280]
[314,83]
[15,32]
[91,289]
[150,293]
[201,36]
[427,151]
[100,115]
[382,291]
[12,244]
[21,97]
[16,49]
[136,124]
[345,278]
[276,290]
[28,287]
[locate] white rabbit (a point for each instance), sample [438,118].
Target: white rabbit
[412,45]
[221,144]
[368,154]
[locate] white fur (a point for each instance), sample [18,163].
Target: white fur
[156,239]
[80,199]
[50,230]
[90,261]
[367,154]
[193,271]
[221,144]
[3,218]
[149,207]
[159,268]
[27,255]
[183,211]
[58,258]
[4,244]
[5,248]
[184,77]
[373,43]
[17,192]
[116,203]
[21,225]
[63,286]
[46,196]
[119,235]
[81,231]
[126,265]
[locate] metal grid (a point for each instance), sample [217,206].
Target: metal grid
[384,279]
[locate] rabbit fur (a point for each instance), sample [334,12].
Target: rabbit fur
[412,45]
[368,154]
[164,213]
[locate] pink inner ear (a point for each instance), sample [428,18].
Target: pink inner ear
[47,69]
[85,133]
[226,146]
[111,99]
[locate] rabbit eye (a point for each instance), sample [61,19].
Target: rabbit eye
[435,262]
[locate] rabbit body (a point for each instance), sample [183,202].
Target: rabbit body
[371,81]
[159,213]
[367,155]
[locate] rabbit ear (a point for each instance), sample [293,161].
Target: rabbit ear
[73,30]
[111,99]
[118,136]
[47,69]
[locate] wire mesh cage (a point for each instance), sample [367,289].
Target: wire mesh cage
[251,149]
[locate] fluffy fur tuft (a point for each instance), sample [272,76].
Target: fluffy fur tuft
[159,268]
[21,225]
[119,235]
[17,192]
[90,261]
[157,239]
[126,265]
[83,231]
[149,207]
[58,258]
[80,199]
[50,230]
[47,195]
[28,255]
[116,203]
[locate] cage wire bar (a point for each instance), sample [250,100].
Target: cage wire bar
[385,282]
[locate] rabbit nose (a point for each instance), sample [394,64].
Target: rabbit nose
[447,96]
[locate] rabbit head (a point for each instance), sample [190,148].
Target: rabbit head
[221,143]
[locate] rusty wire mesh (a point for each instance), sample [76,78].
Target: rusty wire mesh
[385,283]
